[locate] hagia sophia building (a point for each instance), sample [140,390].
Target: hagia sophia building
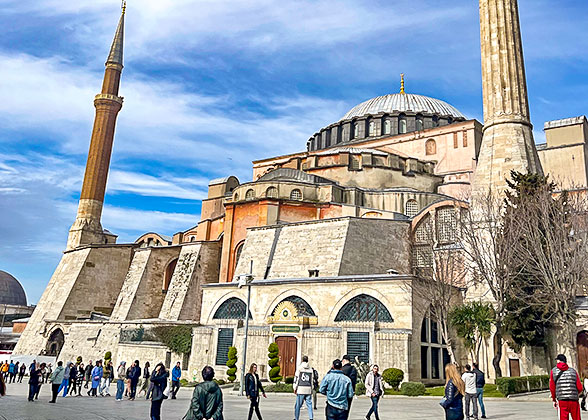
[331,236]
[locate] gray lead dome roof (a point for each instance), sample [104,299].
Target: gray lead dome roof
[11,291]
[402,102]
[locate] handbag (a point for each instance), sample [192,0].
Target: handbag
[166,392]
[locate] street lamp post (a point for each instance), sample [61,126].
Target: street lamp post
[245,280]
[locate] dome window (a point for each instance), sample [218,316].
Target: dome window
[236,197]
[402,124]
[296,195]
[271,192]
[250,195]
[355,130]
[411,208]
[419,123]
[372,128]
[387,126]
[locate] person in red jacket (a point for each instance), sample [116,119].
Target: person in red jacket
[566,388]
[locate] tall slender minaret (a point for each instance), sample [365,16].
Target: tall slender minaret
[507,142]
[87,228]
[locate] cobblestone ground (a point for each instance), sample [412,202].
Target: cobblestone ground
[14,406]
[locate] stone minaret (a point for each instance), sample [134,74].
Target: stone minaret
[507,143]
[87,228]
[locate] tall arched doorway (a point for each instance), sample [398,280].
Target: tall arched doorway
[55,343]
[582,343]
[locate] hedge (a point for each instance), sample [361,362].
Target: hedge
[520,384]
[360,388]
[393,377]
[412,389]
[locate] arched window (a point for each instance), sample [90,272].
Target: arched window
[435,121]
[271,192]
[339,134]
[236,197]
[364,308]
[446,225]
[296,194]
[355,130]
[250,195]
[238,250]
[434,354]
[411,208]
[402,124]
[430,147]
[169,272]
[372,128]
[387,126]
[304,309]
[55,343]
[419,123]
[232,308]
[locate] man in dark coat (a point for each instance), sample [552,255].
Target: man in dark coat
[349,370]
[207,399]
[134,377]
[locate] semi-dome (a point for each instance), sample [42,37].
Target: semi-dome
[11,291]
[402,102]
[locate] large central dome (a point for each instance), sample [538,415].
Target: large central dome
[402,102]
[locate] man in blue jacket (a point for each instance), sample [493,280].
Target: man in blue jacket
[338,389]
[176,375]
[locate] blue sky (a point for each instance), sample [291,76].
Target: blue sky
[211,85]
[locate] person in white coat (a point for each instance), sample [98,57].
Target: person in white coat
[374,388]
[303,379]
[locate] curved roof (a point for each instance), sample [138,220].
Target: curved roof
[402,102]
[11,291]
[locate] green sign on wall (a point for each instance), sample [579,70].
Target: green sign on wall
[286,329]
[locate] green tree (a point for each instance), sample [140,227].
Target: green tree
[232,364]
[473,323]
[274,373]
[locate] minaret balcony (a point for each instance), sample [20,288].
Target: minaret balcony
[108,96]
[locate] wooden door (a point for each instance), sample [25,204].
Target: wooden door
[582,351]
[288,347]
[515,367]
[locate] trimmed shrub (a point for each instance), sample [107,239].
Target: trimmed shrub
[360,388]
[220,381]
[520,384]
[393,377]
[274,373]
[280,388]
[289,380]
[232,364]
[412,389]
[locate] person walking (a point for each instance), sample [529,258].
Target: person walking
[135,375]
[207,399]
[2,387]
[56,379]
[105,380]
[339,390]
[96,377]
[80,379]
[452,402]
[176,375]
[48,372]
[65,382]
[584,377]
[41,380]
[16,370]
[374,386]
[11,371]
[121,375]
[88,373]
[159,381]
[349,371]
[73,379]
[303,388]
[4,368]
[253,388]
[565,387]
[315,387]
[480,382]
[128,381]
[471,394]
[34,381]
[21,372]
[146,385]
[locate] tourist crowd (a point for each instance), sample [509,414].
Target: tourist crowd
[462,390]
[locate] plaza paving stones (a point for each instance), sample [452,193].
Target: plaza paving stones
[14,406]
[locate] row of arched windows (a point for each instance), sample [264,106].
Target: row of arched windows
[361,308]
[271,192]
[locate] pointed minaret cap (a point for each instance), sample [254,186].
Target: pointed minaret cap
[402,83]
[116,50]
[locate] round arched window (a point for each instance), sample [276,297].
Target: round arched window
[250,195]
[430,147]
[296,194]
[372,128]
[271,192]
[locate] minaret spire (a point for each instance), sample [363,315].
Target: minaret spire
[507,142]
[87,228]
[402,83]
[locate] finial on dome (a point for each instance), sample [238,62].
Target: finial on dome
[402,83]
[124,6]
